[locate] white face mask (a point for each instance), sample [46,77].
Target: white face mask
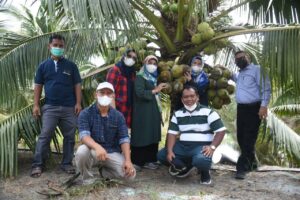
[197,68]
[191,108]
[151,68]
[129,62]
[104,100]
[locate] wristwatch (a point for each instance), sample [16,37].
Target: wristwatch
[213,147]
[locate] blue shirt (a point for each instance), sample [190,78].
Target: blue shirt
[59,80]
[251,86]
[110,131]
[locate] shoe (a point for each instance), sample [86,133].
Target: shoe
[184,173]
[240,175]
[69,169]
[176,167]
[205,177]
[151,165]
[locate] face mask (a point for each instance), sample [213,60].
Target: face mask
[58,52]
[197,68]
[191,108]
[104,100]
[241,62]
[129,62]
[151,68]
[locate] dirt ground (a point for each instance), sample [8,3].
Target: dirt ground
[156,184]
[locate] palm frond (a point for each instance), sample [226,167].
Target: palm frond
[283,136]
[289,109]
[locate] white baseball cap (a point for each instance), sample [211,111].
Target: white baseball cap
[105,85]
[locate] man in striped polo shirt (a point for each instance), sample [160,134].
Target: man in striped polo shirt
[200,131]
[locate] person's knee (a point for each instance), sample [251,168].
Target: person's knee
[82,153]
[162,156]
[201,162]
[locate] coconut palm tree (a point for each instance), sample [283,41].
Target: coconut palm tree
[171,24]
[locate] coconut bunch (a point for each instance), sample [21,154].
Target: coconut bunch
[168,8]
[172,74]
[219,90]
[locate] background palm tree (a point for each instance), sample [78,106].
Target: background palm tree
[102,27]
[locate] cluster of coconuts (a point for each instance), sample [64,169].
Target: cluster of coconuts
[204,33]
[172,8]
[219,89]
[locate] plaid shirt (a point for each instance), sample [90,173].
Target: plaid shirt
[119,82]
[110,132]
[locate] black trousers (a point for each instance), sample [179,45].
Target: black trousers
[142,155]
[248,123]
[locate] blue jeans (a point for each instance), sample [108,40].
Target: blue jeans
[188,152]
[66,120]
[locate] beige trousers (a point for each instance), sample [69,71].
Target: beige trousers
[85,159]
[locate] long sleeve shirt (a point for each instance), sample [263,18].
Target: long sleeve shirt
[252,86]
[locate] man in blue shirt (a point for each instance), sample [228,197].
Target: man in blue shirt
[61,80]
[253,93]
[104,134]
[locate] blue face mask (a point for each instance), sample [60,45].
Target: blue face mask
[57,52]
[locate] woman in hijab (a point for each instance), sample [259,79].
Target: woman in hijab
[122,76]
[146,126]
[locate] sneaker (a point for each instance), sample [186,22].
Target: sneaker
[205,178]
[176,167]
[240,175]
[184,173]
[151,165]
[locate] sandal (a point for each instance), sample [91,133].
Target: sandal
[36,172]
[69,169]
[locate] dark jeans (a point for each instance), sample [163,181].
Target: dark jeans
[248,123]
[53,116]
[189,153]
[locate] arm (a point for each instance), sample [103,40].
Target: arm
[265,87]
[207,150]
[85,136]
[37,95]
[171,138]
[127,166]
[78,98]
[140,90]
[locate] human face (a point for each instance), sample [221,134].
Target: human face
[189,97]
[132,55]
[57,43]
[242,60]
[197,62]
[104,92]
[152,62]
[56,47]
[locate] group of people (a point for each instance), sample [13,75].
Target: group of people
[120,132]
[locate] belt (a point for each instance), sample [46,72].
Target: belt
[249,104]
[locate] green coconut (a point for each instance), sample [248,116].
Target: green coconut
[217,102]
[227,74]
[222,93]
[170,63]
[174,7]
[196,39]
[163,68]
[211,94]
[177,87]
[208,34]
[177,71]
[216,73]
[161,64]
[230,89]
[167,89]
[222,82]
[202,27]
[212,84]
[165,76]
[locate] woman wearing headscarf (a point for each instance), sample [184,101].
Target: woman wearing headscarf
[198,79]
[122,76]
[146,126]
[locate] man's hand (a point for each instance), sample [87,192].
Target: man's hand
[170,156]
[101,153]
[77,108]
[128,169]
[36,111]
[263,112]
[207,151]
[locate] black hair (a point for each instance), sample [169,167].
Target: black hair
[56,36]
[188,87]
[238,52]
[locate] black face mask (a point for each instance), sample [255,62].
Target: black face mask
[241,62]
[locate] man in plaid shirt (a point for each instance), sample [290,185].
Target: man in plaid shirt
[122,76]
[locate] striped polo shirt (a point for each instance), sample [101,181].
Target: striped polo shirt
[197,126]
